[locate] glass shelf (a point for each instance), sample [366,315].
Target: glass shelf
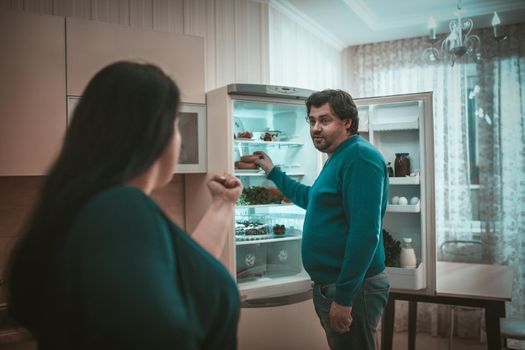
[266,239]
[268,143]
[261,173]
[264,205]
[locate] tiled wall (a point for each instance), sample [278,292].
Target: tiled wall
[18,194]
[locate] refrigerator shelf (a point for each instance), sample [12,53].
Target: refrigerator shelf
[416,208]
[403,278]
[261,173]
[266,239]
[250,172]
[268,143]
[401,125]
[407,180]
[264,205]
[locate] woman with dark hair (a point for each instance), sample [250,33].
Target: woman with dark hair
[99,265]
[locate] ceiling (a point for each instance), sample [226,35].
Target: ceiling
[351,22]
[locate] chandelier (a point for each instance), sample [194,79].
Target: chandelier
[459,42]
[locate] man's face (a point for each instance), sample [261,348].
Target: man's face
[326,129]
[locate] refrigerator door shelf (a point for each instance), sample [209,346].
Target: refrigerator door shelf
[411,279]
[407,180]
[409,208]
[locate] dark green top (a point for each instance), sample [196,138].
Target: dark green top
[342,234]
[128,278]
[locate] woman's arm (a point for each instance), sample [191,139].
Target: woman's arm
[211,232]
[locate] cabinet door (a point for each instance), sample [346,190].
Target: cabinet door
[93,45]
[192,126]
[32,93]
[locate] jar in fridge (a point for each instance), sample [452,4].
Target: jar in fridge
[402,165]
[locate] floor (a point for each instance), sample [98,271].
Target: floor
[423,341]
[427,342]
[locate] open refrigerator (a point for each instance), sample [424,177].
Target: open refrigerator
[263,251]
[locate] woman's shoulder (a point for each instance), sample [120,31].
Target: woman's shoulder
[117,194]
[123,207]
[118,198]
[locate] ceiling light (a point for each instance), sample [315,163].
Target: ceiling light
[459,42]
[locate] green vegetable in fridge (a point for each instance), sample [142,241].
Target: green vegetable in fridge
[392,249]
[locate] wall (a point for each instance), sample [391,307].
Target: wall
[235,31]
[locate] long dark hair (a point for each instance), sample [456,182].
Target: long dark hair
[122,123]
[340,101]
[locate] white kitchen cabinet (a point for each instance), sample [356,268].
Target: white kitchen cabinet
[404,124]
[93,45]
[32,93]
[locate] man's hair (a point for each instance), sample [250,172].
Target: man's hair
[340,102]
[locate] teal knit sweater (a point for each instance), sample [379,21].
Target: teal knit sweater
[342,234]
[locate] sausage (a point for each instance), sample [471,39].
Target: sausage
[249,159]
[244,165]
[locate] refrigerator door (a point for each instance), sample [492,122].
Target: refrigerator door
[401,127]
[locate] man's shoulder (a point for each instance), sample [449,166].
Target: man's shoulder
[362,150]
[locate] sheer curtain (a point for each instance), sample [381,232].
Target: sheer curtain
[502,159]
[299,57]
[397,67]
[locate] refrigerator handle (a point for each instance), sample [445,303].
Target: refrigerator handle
[276,301]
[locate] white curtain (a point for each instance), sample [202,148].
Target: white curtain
[502,159]
[299,57]
[397,67]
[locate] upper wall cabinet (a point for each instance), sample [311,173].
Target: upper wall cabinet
[93,45]
[32,92]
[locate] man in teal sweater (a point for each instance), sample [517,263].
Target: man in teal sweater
[342,246]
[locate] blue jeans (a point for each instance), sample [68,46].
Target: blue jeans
[367,308]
